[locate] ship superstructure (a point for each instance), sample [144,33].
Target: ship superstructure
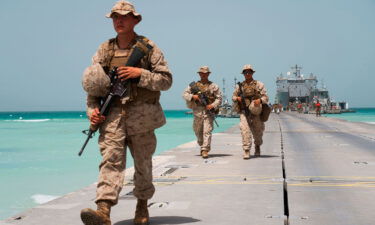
[295,88]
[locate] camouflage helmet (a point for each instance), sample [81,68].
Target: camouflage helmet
[248,67]
[95,81]
[123,8]
[204,69]
[255,110]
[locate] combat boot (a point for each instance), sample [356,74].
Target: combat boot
[257,151]
[246,155]
[141,213]
[204,154]
[99,216]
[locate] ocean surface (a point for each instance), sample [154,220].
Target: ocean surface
[366,115]
[38,154]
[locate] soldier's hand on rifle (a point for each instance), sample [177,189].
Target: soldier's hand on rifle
[196,98]
[239,99]
[128,72]
[257,102]
[209,107]
[96,118]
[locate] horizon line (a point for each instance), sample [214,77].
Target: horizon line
[6,111]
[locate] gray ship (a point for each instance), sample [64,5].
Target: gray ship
[296,90]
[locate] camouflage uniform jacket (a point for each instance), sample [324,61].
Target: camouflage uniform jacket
[259,86]
[212,91]
[140,116]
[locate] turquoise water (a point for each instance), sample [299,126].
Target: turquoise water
[366,115]
[38,154]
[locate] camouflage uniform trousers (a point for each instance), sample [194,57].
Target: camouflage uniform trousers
[255,131]
[203,127]
[113,142]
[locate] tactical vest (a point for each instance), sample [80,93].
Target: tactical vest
[205,89]
[119,58]
[250,91]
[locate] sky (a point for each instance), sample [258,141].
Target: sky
[45,45]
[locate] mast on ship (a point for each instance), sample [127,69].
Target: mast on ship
[297,71]
[225,100]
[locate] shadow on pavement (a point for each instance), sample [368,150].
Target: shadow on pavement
[163,220]
[216,155]
[265,156]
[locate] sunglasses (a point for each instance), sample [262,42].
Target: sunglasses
[248,72]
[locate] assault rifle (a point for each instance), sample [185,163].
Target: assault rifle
[118,88]
[242,102]
[203,99]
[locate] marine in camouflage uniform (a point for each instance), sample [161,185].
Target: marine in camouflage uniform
[203,116]
[252,126]
[131,120]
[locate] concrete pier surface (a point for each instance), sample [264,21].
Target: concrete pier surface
[312,171]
